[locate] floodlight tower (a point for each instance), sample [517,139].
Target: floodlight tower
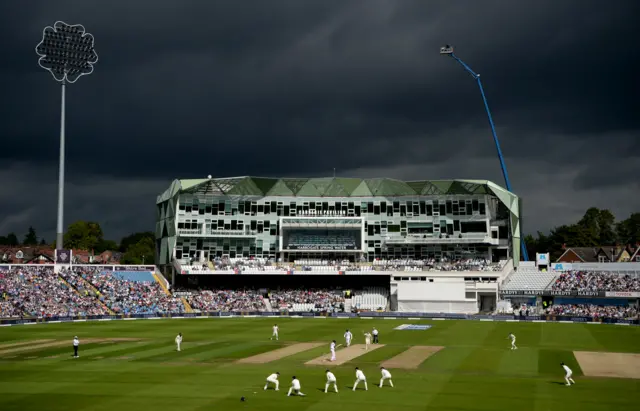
[66,51]
[448,51]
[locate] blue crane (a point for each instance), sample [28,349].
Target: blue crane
[448,51]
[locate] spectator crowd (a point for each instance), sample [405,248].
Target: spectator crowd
[438,264]
[39,292]
[125,296]
[226,300]
[307,300]
[593,311]
[595,281]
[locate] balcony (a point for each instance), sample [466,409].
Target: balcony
[435,239]
[216,233]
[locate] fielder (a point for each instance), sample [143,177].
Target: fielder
[178,341]
[360,378]
[386,375]
[348,337]
[367,340]
[331,379]
[275,332]
[567,377]
[273,379]
[295,387]
[513,341]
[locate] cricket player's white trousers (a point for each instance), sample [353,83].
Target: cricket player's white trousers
[333,355]
[178,346]
[355,384]
[274,382]
[348,341]
[298,392]
[384,378]
[568,379]
[335,386]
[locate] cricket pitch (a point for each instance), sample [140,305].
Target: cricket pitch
[345,355]
[411,358]
[279,353]
[609,364]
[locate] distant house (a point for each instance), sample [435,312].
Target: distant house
[46,255]
[602,254]
[26,255]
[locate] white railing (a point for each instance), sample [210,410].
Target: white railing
[421,239]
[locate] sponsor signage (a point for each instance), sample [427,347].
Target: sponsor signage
[322,247]
[63,256]
[129,268]
[415,327]
[551,293]
[623,294]
[542,258]
[550,318]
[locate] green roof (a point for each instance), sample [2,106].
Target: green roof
[331,187]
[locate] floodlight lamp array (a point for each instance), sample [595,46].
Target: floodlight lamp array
[66,51]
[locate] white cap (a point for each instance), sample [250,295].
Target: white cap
[75,336]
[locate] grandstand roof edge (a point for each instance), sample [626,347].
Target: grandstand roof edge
[180,185]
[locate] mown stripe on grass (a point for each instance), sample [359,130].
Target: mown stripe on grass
[549,362]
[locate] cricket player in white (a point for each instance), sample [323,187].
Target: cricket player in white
[386,375]
[331,379]
[513,341]
[347,337]
[295,387]
[273,379]
[333,350]
[567,377]
[360,378]
[367,340]
[275,332]
[76,344]
[178,341]
[375,335]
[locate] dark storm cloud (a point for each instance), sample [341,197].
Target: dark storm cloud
[190,88]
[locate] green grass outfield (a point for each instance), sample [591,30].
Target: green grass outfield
[475,371]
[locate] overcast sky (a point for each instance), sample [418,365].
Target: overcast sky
[184,89]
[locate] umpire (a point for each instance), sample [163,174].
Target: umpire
[375,335]
[76,344]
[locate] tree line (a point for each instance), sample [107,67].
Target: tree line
[598,227]
[88,235]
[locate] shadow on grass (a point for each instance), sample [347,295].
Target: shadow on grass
[556,383]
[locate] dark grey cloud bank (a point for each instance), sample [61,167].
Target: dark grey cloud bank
[296,88]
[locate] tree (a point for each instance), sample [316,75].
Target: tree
[83,235]
[596,228]
[43,242]
[31,238]
[140,253]
[12,240]
[599,224]
[106,245]
[134,239]
[628,231]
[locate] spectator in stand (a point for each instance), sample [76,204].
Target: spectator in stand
[593,311]
[595,281]
[39,292]
[124,296]
[317,300]
[226,300]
